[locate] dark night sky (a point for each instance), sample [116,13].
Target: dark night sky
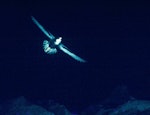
[113,37]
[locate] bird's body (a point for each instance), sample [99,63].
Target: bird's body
[51,46]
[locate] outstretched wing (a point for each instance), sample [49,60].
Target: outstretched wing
[65,50]
[48,34]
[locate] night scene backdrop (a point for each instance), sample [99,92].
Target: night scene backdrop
[114,38]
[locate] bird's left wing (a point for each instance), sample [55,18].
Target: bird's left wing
[48,34]
[65,50]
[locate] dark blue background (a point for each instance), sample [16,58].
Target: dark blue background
[114,37]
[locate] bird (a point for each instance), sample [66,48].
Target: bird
[53,44]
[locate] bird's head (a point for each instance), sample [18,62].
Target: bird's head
[58,41]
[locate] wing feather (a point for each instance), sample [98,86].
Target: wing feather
[48,34]
[63,48]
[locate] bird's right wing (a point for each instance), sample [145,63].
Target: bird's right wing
[65,50]
[48,34]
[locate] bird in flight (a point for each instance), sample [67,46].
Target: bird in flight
[51,46]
